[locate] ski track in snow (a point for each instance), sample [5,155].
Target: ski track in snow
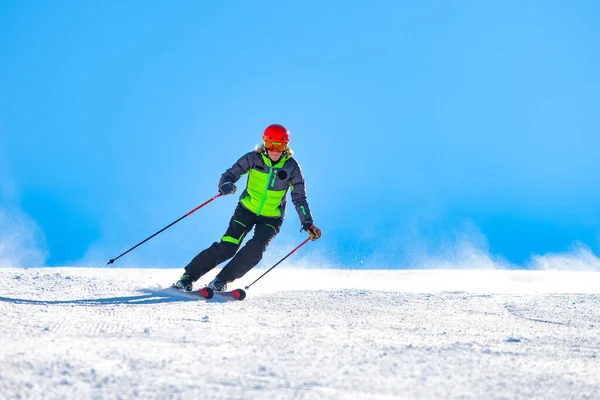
[102,333]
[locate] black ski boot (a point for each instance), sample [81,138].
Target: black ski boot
[185,283]
[218,285]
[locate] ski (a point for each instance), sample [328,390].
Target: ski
[207,294]
[236,294]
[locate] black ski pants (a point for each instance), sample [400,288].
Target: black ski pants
[247,257]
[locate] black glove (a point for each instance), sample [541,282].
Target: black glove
[227,188]
[312,230]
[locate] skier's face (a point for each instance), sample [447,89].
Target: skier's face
[274,155]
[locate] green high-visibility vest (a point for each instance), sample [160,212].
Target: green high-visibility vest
[262,197]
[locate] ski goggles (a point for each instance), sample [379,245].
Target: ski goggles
[276,146]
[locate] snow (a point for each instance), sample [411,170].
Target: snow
[104,333]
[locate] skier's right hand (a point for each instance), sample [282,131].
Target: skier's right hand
[227,188]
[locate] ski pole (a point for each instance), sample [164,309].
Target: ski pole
[279,262]
[165,228]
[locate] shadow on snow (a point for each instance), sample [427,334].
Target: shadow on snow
[148,297]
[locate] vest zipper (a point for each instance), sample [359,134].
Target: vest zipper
[262,203]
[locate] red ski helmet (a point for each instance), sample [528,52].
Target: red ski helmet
[276,137]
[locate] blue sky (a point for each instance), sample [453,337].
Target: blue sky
[420,126]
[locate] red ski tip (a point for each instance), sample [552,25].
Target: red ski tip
[239,294]
[207,293]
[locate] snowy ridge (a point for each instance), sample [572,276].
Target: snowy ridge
[301,334]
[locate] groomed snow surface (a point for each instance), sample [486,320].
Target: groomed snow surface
[85,333]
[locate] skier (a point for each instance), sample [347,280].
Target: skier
[271,172]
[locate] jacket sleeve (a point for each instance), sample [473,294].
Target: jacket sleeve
[299,196]
[238,169]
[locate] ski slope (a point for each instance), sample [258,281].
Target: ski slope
[85,333]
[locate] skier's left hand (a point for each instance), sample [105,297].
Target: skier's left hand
[313,231]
